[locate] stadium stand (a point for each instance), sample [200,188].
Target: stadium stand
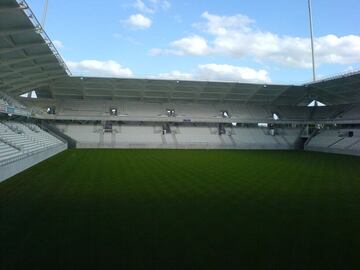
[153,113]
[7,151]
[145,209]
[23,145]
[343,141]
[179,136]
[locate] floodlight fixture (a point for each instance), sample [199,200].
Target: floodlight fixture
[50,110]
[225,114]
[113,111]
[170,112]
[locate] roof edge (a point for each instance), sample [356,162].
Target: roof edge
[40,30]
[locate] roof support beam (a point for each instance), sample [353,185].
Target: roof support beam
[16,84]
[21,47]
[25,59]
[19,70]
[14,31]
[11,9]
[33,83]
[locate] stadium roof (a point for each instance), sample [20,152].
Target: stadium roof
[169,90]
[29,61]
[27,56]
[342,89]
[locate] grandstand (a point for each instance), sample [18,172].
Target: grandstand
[134,113]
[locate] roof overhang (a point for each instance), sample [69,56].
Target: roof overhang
[29,61]
[170,90]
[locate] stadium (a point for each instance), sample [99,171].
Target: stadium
[150,173]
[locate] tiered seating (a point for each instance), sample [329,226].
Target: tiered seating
[181,135]
[253,136]
[83,133]
[356,146]
[122,135]
[349,143]
[336,141]
[195,110]
[136,134]
[8,152]
[258,112]
[36,134]
[325,138]
[17,139]
[345,143]
[289,135]
[83,110]
[238,111]
[197,135]
[142,109]
[261,137]
[25,139]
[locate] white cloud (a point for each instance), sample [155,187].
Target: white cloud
[142,7]
[205,72]
[238,36]
[151,6]
[58,44]
[173,75]
[108,68]
[218,72]
[163,4]
[193,45]
[223,25]
[155,52]
[139,21]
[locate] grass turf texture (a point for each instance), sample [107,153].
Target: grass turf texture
[176,209]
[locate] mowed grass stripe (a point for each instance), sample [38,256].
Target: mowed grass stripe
[176,209]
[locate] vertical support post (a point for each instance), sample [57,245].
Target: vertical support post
[312,40]
[43,19]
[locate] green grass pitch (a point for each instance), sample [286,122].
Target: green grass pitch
[183,209]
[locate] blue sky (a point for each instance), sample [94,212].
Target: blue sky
[248,40]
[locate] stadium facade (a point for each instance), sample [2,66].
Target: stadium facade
[91,112]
